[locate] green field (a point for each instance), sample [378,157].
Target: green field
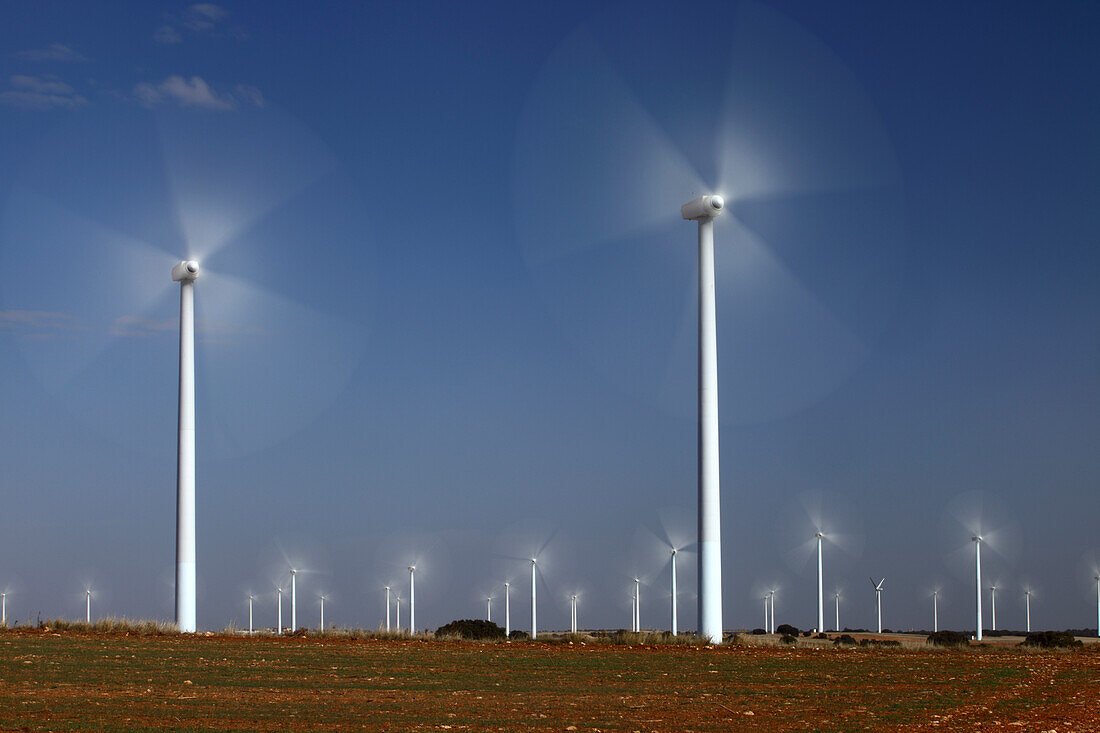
[94,681]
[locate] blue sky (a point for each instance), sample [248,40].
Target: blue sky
[447,312]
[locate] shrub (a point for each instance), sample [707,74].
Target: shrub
[758,632]
[788,639]
[1051,640]
[468,628]
[786,629]
[844,640]
[949,638]
[822,636]
[518,635]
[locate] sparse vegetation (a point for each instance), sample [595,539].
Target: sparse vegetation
[473,629]
[112,624]
[1051,640]
[948,639]
[845,640]
[788,639]
[786,629]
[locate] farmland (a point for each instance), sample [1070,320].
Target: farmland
[94,681]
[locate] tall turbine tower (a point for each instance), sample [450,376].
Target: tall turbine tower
[293,600]
[837,597]
[703,210]
[322,628]
[387,608]
[3,609]
[507,610]
[820,588]
[250,614]
[412,599]
[279,624]
[534,631]
[977,540]
[185,273]
[878,600]
[637,605]
[1027,606]
[1097,579]
[489,608]
[993,605]
[88,606]
[935,610]
[674,591]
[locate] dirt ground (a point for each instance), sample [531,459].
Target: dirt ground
[87,681]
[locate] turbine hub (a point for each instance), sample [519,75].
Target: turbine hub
[185,271]
[704,207]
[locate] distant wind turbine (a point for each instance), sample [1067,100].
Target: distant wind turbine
[637,605]
[977,540]
[767,625]
[878,600]
[322,614]
[573,613]
[820,587]
[88,606]
[1097,579]
[674,591]
[412,599]
[1027,607]
[489,609]
[250,614]
[837,597]
[507,610]
[534,631]
[397,600]
[387,608]
[935,610]
[993,605]
[4,609]
[279,625]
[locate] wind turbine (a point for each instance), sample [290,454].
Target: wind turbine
[507,611]
[767,624]
[3,609]
[387,608]
[1097,579]
[1027,608]
[704,210]
[534,631]
[88,606]
[185,274]
[935,610]
[820,587]
[637,605]
[674,591]
[977,540]
[771,603]
[412,599]
[489,608]
[322,628]
[279,624]
[573,613]
[878,600]
[250,614]
[837,598]
[293,600]
[397,600]
[993,605]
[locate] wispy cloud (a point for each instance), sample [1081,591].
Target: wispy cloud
[36,324]
[52,52]
[200,18]
[195,92]
[207,330]
[167,35]
[40,92]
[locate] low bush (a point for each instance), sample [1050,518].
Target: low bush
[474,629]
[1051,640]
[786,629]
[788,639]
[949,638]
[845,640]
[822,636]
[758,632]
[518,635]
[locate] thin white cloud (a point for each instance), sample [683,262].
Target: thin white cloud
[167,35]
[195,92]
[203,16]
[52,52]
[32,322]
[40,92]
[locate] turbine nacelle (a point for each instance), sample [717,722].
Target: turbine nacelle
[186,271]
[704,207]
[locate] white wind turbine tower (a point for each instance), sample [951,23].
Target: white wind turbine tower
[637,605]
[878,600]
[397,601]
[279,624]
[674,591]
[1027,608]
[88,605]
[993,606]
[534,631]
[820,587]
[293,600]
[250,614]
[185,274]
[573,613]
[322,627]
[489,608]
[767,624]
[3,609]
[1097,579]
[977,540]
[387,608]
[836,596]
[704,209]
[935,610]
[507,610]
[412,599]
